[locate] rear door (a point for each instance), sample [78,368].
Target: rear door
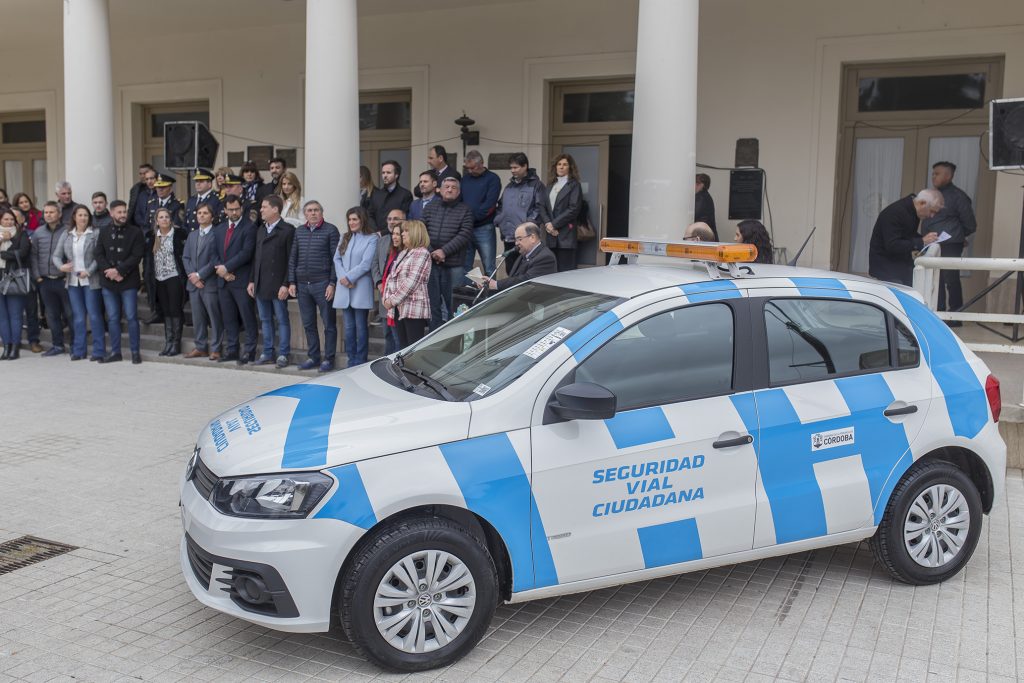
[844,394]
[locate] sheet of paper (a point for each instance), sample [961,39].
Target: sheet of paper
[476,276]
[943,236]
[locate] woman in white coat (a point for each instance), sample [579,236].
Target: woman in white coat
[354,291]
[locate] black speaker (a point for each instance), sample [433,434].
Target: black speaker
[188,144]
[1006,134]
[747,152]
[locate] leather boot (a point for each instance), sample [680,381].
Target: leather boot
[15,352]
[7,352]
[168,337]
[176,325]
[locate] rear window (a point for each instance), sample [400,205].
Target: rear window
[814,339]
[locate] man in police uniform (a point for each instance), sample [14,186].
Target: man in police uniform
[203,180]
[163,197]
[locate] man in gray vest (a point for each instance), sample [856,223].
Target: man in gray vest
[956,218]
[203,286]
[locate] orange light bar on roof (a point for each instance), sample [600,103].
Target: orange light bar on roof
[717,252]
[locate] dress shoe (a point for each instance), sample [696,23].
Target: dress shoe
[326,366]
[36,347]
[112,358]
[242,359]
[264,360]
[136,358]
[309,364]
[228,357]
[214,356]
[196,353]
[95,358]
[75,356]
[54,351]
[282,362]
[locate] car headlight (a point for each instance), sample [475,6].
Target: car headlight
[272,496]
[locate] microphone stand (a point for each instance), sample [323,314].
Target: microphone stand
[501,260]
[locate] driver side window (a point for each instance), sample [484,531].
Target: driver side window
[674,356]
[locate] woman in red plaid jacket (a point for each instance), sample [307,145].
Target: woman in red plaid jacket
[405,293]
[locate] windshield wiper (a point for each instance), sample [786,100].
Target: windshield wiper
[439,388]
[397,366]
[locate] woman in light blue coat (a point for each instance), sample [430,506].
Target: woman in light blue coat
[74,256]
[354,293]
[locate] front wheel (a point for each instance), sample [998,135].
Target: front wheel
[419,595]
[931,525]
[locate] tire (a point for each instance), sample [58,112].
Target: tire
[931,525]
[421,545]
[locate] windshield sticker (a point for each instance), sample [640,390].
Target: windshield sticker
[481,389]
[546,342]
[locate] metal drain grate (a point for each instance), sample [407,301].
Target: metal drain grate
[21,552]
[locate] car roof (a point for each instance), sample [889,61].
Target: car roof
[632,280]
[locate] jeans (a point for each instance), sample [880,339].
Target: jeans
[312,297]
[485,242]
[390,339]
[357,335]
[58,307]
[86,302]
[268,309]
[439,287]
[114,303]
[12,308]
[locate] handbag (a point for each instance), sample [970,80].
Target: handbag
[584,231]
[16,281]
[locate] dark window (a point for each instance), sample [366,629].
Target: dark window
[597,107]
[385,116]
[674,356]
[812,339]
[24,131]
[157,121]
[909,355]
[914,93]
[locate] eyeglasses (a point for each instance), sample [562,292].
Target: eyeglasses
[521,238]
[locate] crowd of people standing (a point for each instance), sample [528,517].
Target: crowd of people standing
[240,248]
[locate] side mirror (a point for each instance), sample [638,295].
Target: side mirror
[583,401]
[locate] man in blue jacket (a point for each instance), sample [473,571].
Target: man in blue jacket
[234,241]
[480,190]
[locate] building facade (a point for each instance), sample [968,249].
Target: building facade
[850,103]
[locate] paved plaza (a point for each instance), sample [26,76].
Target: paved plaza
[92,456]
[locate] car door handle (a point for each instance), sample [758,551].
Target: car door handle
[905,410]
[729,443]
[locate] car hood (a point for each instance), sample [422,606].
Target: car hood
[343,417]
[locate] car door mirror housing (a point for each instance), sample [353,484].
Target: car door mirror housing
[583,401]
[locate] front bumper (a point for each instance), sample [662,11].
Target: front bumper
[305,555]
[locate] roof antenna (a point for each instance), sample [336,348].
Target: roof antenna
[792,261]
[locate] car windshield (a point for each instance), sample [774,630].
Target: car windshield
[493,343]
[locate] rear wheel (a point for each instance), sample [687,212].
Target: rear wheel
[931,526]
[419,595]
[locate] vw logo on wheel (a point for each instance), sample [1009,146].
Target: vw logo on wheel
[424,600]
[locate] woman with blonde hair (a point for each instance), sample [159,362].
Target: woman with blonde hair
[290,190]
[405,293]
[220,177]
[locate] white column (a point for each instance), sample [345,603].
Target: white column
[88,100]
[332,107]
[664,120]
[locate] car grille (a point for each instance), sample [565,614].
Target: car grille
[203,479]
[201,563]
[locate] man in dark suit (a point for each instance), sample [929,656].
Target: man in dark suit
[535,258]
[203,179]
[203,286]
[268,280]
[895,236]
[234,241]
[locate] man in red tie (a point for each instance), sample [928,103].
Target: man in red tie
[235,241]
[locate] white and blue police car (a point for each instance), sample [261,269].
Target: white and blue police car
[594,428]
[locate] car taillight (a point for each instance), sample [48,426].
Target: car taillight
[995,400]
